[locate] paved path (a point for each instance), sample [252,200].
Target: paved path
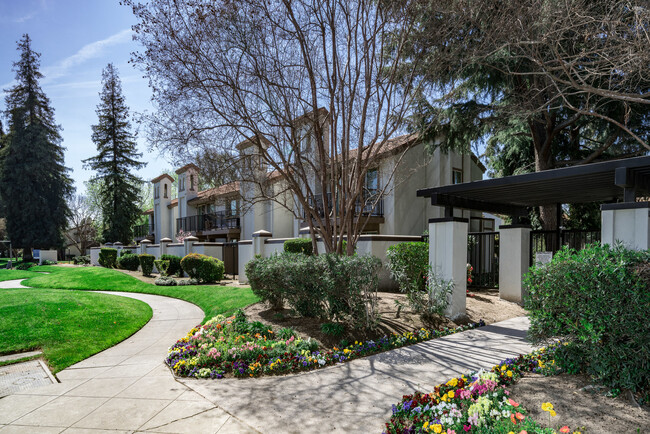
[127,388]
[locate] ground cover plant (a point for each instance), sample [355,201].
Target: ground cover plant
[213,300]
[235,346]
[474,403]
[68,326]
[597,301]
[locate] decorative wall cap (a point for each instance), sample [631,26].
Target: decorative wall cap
[245,242]
[449,219]
[190,238]
[165,240]
[262,233]
[145,241]
[117,243]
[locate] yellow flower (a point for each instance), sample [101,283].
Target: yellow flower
[437,428]
[426,424]
[503,368]
[547,406]
[451,394]
[509,373]
[553,413]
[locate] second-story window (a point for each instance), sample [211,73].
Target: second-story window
[166,195]
[181,183]
[457,176]
[192,182]
[156,192]
[231,207]
[372,181]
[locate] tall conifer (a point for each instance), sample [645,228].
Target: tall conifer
[117,156]
[34,181]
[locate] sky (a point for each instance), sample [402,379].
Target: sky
[77,39]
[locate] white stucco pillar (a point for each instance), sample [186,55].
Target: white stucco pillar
[143,245]
[514,261]
[448,259]
[188,242]
[628,223]
[163,246]
[259,239]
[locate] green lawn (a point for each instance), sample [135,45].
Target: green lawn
[213,300]
[15,274]
[68,326]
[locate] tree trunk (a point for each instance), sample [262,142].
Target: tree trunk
[27,254]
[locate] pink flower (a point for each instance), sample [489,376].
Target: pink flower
[565,429]
[467,427]
[513,403]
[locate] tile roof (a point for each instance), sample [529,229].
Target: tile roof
[207,196]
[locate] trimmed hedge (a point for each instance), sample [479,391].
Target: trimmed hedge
[108,257]
[162,266]
[333,287]
[25,265]
[409,264]
[129,262]
[81,260]
[299,245]
[205,269]
[597,302]
[146,263]
[175,268]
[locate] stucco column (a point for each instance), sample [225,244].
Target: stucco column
[163,246]
[118,246]
[143,245]
[188,244]
[448,259]
[628,223]
[259,239]
[514,261]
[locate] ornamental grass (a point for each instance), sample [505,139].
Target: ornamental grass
[236,347]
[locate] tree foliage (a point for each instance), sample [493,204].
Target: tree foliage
[33,177]
[119,188]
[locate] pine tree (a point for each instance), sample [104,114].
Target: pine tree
[34,182]
[117,156]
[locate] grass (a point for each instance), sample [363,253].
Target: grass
[15,274]
[213,300]
[68,326]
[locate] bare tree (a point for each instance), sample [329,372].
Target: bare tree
[306,88]
[82,225]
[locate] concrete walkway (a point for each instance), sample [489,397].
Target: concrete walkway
[128,389]
[124,389]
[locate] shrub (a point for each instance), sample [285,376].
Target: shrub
[125,252]
[129,262]
[597,302]
[81,260]
[162,266]
[299,245]
[187,282]
[329,286]
[165,281]
[431,302]
[146,263]
[174,264]
[108,257]
[332,329]
[25,265]
[204,268]
[408,264]
[48,262]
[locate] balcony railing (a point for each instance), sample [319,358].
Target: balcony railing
[370,204]
[143,231]
[207,222]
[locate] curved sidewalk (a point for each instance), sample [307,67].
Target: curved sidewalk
[125,388]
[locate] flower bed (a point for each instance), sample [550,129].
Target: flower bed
[474,403]
[234,346]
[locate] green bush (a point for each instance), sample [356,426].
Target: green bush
[125,252]
[408,264]
[25,265]
[146,263]
[329,286]
[165,281]
[48,262]
[597,302]
[129,262]
[332,329]
[205,269]
[174,264]
[430,303]
[108,257]
[299,245]
[187,282]
[162,266]
[81,260]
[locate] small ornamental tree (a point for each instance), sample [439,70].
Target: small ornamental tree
[117,153]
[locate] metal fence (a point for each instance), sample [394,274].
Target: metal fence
[552,241]
[483,256]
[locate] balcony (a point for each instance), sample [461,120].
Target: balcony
[143,231]
[214,222]
[364,206]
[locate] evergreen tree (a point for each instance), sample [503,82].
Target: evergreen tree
[119,189]
[34,183]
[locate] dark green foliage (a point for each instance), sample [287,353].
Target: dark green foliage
[146,263]
[205,269]
[162,266]
[25,265]
[108,257]
[48,262]
[81,260]
[33,175]
[329,286]
[299,245]
[187,282]
[129,262]
[165,281]
[332,329]
[408,264]
[116,158]
[174,264]
[597,302]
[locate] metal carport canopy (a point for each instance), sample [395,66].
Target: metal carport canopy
[609,181]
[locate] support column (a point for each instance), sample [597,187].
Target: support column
[448,259]
[143,246]
[163,246]
[628,223]
[514,261]
[259,239]
[189,241]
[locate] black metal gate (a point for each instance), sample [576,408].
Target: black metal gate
[483,256]
[552,241]
[231,258]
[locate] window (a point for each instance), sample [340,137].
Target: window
[156,192]
[232,208]
[457,176]
[165,196]
[192,182]
[181,183]
[372,180]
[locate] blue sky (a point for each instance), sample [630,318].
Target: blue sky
[77,39]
